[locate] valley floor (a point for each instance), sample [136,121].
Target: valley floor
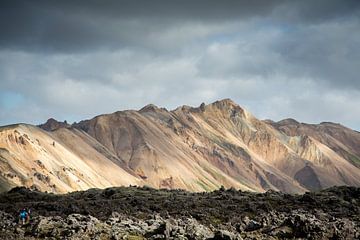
[146,213]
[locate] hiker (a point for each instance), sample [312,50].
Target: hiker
[24,216]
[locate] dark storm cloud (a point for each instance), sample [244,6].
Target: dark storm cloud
[75,59]
[317,11]
[84,25]
[87,25]
[326,52]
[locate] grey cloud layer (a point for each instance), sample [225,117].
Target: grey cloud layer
[84,25]
[75,59]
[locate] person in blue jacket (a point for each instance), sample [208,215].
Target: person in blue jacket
[24,216]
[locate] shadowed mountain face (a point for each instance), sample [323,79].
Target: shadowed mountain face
[197,149]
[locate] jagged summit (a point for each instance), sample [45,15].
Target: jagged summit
[224,103]
[149,107]
[228,101]
[52,124]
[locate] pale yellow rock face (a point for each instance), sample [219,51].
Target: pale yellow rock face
[32,157]
[197,149]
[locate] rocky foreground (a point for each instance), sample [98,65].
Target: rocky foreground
[146,213]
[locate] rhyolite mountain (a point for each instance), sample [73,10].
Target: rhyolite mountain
[192,148]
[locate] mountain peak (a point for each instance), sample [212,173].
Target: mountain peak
[52,125]
[228,105]
[288,121]
[225,101]
[225,104]
[150,108]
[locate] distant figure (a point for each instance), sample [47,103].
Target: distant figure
[24,216]
[53,144]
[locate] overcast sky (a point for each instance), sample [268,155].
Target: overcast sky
[76,59]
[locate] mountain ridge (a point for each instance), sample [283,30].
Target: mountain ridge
[193,148]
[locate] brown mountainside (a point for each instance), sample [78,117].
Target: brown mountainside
[197,149]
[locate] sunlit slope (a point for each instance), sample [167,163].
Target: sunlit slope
[224,136]
[37,159]
[193,148]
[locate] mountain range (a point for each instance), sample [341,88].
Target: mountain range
[192,148]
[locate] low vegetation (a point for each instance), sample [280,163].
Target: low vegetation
[241,214]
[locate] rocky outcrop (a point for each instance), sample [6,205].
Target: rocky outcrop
[144,213]
[294,225]
[52,125]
